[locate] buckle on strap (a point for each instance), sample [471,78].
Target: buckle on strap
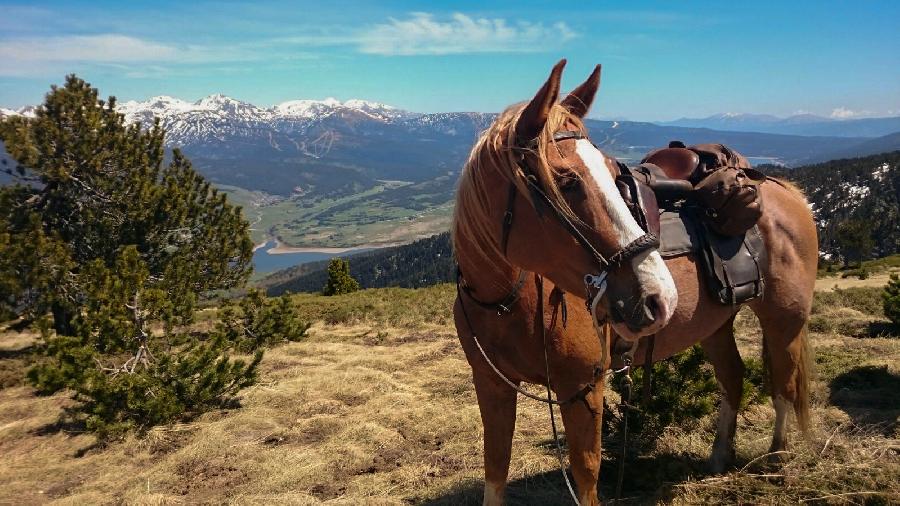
[595,286]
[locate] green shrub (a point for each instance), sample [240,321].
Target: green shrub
[123,374]
[684,390]
[112,399]
[109,255]
[866,300]
[258,321]
[891,299]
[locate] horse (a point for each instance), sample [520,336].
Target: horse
[536,155]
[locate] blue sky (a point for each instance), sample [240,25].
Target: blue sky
[661,60]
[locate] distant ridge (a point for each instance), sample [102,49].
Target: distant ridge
[800,124]
[866,189]
[333,149]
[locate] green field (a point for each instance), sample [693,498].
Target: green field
[391,212]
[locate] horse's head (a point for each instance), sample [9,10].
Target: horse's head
[538,192]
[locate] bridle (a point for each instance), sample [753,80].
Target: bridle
[595,284]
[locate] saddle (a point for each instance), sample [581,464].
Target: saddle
[707,202]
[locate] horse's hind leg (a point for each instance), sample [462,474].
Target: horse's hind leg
[497,403]
[722,352]
[786,353]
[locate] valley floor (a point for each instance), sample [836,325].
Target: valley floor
[377,407]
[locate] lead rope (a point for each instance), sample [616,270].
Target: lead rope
[626,407]
[559,453]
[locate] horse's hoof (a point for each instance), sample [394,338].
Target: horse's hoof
[777,458]
[721,458]
[719,462]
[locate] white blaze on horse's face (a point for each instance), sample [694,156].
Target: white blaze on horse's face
[651,272]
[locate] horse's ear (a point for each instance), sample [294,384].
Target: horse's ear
[535,114]
[579,100]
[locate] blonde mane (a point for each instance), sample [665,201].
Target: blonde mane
[474,216]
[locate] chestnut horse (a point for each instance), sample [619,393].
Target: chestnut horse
[502,227]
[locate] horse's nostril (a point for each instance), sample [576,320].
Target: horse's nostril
[618,311]
[652,308]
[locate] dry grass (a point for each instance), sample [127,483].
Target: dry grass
[379,409]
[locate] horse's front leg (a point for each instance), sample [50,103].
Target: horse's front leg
[582,422]
[497,402]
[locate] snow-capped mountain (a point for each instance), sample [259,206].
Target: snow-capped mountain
[304,145]
[28,111]
[331,147]
[189,123]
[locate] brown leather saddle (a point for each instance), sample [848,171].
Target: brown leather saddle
[732,264]
[676,161]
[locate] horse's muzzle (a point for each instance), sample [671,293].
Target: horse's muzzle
[641,315]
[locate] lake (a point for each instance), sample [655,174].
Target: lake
[265,262]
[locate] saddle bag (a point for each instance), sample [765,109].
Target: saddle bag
[728,187]
[731,199]
[723,183]
[733,265]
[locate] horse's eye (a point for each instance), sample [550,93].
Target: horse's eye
[568,181]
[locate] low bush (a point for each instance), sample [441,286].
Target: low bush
[257,321]
[866,300]
[129,367]
[891,299]
[683,391]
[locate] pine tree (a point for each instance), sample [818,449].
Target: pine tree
[116,246]
[339,279]
[891,297]
[854,239]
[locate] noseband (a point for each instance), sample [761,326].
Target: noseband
[631,192]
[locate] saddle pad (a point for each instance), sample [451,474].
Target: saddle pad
[678,233]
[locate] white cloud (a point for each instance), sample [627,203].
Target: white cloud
[136,57]
[422,34]
[844,113]
[75,48]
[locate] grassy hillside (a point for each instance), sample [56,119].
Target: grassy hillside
[377,407]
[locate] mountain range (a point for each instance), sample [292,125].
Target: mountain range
[333,147]
[330,173]
[799,124]
[329,147]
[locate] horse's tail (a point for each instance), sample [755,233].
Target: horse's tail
[804,372]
